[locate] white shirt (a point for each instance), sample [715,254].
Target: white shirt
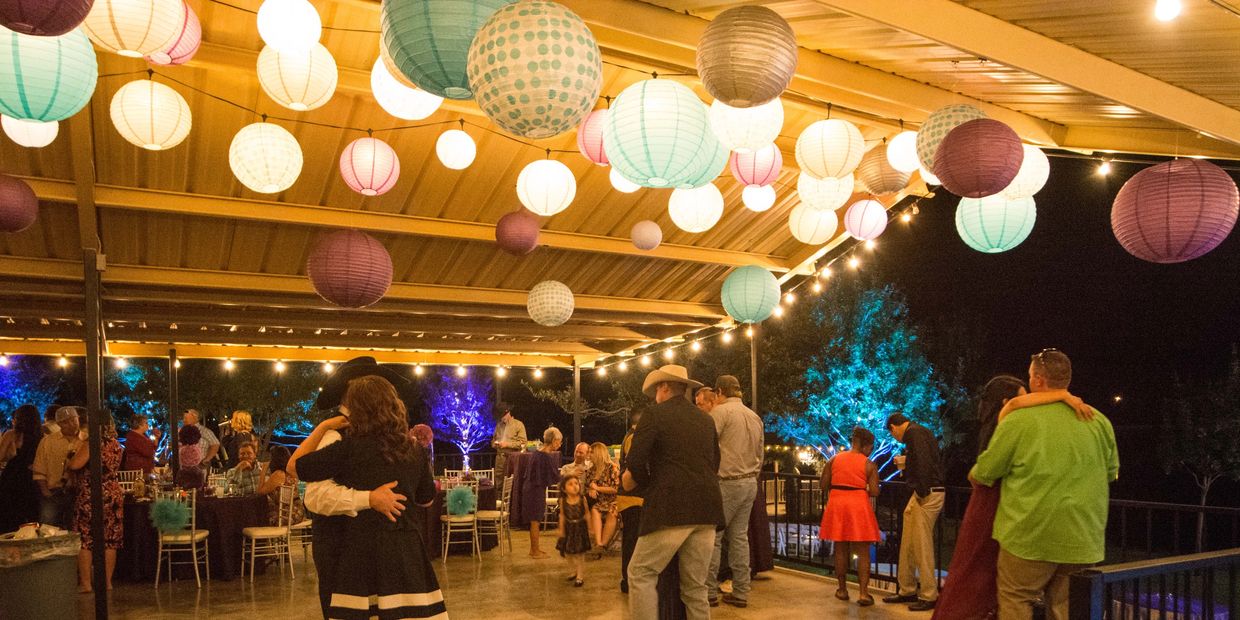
[329,498]
[740,438]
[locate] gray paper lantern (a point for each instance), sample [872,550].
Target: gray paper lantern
[747,56]
[550,303]
[877,175]
[646,235]
[18,205]
[350,268]
[517,232]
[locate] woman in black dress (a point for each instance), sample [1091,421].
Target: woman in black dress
[19,495]
[384,569]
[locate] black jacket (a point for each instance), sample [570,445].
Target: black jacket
[675,461]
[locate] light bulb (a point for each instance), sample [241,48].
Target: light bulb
[624,366]
[1104,168]
[501,372]
[602,371]
[778,312]
[418,370]
[176,364]
[645,360]
[122,363]
[816,287]
[328,367]
[229,365]
[696,346]
[280,366]
[854,262]
[825,273]
[1167,10]
[789,297]
[455,149]
[870,245]
[906,218]
[4,361]
[669,354]
[538,373]
[749,332]
[727,337]
[460,371]
[62,362]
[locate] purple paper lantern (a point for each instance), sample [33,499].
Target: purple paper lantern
[1175,211]
[646,235]
[350,268]
[978,158]
[43,18]
[18,205]
[517,232]
[759,167]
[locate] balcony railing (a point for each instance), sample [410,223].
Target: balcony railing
[1200,586]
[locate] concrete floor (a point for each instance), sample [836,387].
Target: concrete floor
[515,587]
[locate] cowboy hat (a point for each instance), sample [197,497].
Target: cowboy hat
[335,386]
[670,373]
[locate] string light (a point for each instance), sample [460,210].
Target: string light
[789,298]
[176,364]
[870,245]
[727,337]
[329,367]
[1104,168]
[1167,10]
[645,361]
[624,366]
[122,363]
[778,312]
[501,372]
[749,332]
[696,346]
[418,370]
[280,366]
[816,286]
[62,362]
[460,371]
[669,354]
[825,273]
[602,371]
[4,361]
[538,373]
[854,263]
[229,365]
[906,218]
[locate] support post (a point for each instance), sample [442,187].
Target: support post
[173,397]
[753,369]
[576,403]
[91,265]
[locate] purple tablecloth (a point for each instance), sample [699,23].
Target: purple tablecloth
[532,473]
[433,526]
[224,517]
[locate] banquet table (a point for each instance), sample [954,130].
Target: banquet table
[223,517]
[433,526]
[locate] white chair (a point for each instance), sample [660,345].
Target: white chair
[184,541]
[302,534]
[496,521]
[460,524]
[451,483]
[454,473]
[128,477]
[551,516]
[484,474]
[271,541]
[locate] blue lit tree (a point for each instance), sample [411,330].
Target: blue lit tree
[140,388]
[461,410]
[27,380]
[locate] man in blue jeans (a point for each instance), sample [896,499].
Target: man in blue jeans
[50,474]
[740,461]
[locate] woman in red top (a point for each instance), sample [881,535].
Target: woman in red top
[139,449]
[848,518]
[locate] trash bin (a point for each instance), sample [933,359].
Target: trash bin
[35,576]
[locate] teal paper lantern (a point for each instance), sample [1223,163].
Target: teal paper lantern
[658,134]
[428,41]
[535,69]
[995,224]
[750,294]
[45,78]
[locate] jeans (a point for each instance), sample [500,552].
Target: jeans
[694,544]
[738,496]
[1022,581]
[917,547]
[57,509]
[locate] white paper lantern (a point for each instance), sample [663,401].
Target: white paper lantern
[826,194]
[289,25]
[150,115]
[696,210]
[31,134]
[866,219]
[455,149]
[830,148]
[747,129]
[758,198]
[550,303]
[134,28]
[265,158]
[928,177]
[621,184]
[411,104]
[369,166]
[1035,169]
[812,226]
[902,152]
[546,187]
[302,80]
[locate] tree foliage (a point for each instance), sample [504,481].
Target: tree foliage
[27,380]
[278,402]
[460,410]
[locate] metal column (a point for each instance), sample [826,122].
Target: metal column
[576,403]
[753,369]
[91,266]
[173,397]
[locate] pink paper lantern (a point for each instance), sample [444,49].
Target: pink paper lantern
[43,18]
[517,232]
[590,137]
[1175,211]
[866,219]
[182,47]
[760,167]
[978,158]
[369,166]
[646,235]
[18,205]
[350,268]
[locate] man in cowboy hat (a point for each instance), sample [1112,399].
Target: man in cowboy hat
[674,459]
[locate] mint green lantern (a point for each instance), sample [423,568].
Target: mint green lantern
[750,294]
[428,40]
[658,134]
[45,78]
[995,224]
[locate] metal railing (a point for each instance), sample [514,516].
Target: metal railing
[1201,586]
[455,460]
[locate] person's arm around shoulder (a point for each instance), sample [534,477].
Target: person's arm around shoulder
[1112,449]
[80,458]
[996,462]
[1083,411]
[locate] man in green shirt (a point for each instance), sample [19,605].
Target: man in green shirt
[1052,513]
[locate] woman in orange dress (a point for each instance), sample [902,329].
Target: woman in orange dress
[848,518]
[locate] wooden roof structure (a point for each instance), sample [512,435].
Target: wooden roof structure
[195,260]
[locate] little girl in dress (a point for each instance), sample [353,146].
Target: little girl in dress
[574,536]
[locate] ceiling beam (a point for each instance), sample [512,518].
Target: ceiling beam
[82,189]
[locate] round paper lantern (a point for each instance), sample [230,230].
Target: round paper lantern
[760,167]
[399,100]
[928,177]
[394,71]
[181,47]
[1035,169]
[550,303]
[134,28]
[43,18]
[590,137]
[369,166]
[535,69]
[428,40]
[1175,211]
[546,187]
[826,194]
[455,149]
[289,26]
[938,125]
[747,56]
[866,219]
[747,129]
[877,175]
[696,210]
[995,224]
[658,135]
[812,226]
[830,148]
[18,205]
[32,134]
[902,152]
[621,184]
[300,81]
[750,294]
[758,198]
[265,158]
[979,158]
[350,268]
[517,232]
[150,115]
[45,78]
[646,235]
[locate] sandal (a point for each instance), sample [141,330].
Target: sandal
[571,578]
[865,601]
[841,594]
[577,583]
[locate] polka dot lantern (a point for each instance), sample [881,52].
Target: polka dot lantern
[590,137]
[30,134]
[866,219]
[696,210]
[1035,169]
[42,18]
[646,235]
[550,303]
[747,129]
[830,148]
[812,226]
[45,78]
[826,194]
[349,268]
[19,207]
[517,233]
[979,158]
[134,28]
[429,40]
[398,99]
[546,187]
[938,125]
[1175,211]
[369,166]
[747,56]
[750,294]
[265,158]
[760,167]
[876,174]
[658,135]
[995,223]
[181,47]
[299,81]
[150,115]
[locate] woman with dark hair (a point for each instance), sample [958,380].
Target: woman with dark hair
[113,502]
[278,476]
[851,479]
[380,558]
[19,495]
